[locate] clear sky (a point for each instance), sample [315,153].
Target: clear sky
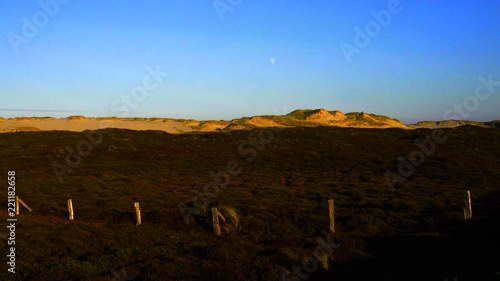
[249,57]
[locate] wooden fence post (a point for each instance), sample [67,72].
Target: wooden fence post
[215,218]
[25,205]
[138,213]
[332,215]
[467,205]
[17,205]
[70,209]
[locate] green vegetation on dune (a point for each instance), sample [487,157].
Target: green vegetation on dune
[300,114]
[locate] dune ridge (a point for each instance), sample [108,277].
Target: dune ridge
[296,118]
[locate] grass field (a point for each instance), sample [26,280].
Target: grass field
[414,231]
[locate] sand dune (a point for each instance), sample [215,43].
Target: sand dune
[296,118]
[79,125]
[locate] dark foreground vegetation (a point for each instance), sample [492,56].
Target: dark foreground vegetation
[415,231]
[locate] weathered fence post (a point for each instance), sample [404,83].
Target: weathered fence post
[17,205]
[24,204]
[215,218]
[332,215]
[467,205]
[70,209]
[138,212]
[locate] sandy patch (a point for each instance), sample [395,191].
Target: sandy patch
[324,116]
[191,123]
[260,121]
[209,126]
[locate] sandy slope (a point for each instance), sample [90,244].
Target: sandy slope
[34,124]
[296,118]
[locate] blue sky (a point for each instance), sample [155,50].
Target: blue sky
[257,57]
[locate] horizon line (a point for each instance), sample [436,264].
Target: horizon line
[174,118]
